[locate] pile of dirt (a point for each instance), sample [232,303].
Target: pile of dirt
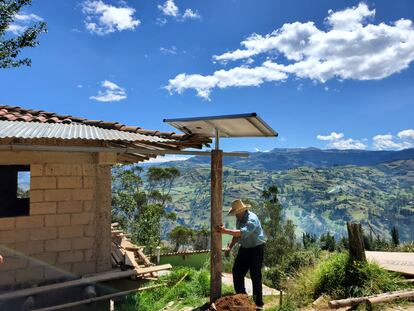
[234,302]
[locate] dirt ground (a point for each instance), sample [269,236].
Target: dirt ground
[232,303]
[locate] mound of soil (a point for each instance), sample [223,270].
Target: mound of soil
[235,302]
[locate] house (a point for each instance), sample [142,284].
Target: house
[55,191]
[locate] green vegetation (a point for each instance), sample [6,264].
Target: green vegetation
[10,47]
[184,287]
[338,278]
[140,209]
[313,202]
[317,200]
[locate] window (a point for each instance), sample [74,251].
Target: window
[14,190]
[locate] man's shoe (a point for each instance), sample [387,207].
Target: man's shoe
[260,308]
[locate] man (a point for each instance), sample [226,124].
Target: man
[249,234]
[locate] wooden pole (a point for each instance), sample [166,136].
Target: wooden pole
[348,302]
[216,220]
[356,242]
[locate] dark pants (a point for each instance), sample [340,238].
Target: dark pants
[249,259]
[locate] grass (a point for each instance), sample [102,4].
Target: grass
[192,291]
[339,278]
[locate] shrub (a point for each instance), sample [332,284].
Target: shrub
[339,278]
[273,276]
[331,276]
[298,260]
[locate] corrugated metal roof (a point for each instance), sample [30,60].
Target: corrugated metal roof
[31,130]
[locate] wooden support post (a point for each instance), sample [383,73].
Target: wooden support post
[356,242]
[216,220]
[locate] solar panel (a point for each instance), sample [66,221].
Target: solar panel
[237,125]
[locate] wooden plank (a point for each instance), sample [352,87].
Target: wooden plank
[116,231]
[216,220]
[130,259]
[116,253]
[95,299]
[141,255]
[128,245]
[101,277]
[147,270]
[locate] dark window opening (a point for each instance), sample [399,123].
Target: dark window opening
[14,190]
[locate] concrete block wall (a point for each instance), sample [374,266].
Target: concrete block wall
[68,229]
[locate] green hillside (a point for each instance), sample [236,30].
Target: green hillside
[316,199]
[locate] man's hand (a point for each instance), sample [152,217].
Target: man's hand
[221,229]
[1,260]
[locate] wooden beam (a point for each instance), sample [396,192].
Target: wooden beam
[353,301]
[130,259]
[391,297]
[216,220]
[147,270]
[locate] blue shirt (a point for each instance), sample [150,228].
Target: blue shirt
[251,230]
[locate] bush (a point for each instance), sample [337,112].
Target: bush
[298,260]
[331,276]
[340,278]
[273,276]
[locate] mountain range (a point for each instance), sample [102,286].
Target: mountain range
[319,189]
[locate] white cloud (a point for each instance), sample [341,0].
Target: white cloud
[351,47]
[387,141]
[22,22]
[171,50]
[170,9]
[346,144]
[337,141]
[167,158]
[239,76]
[190,14]
[102,18]
[332,136]
[406,134]
[80,86]
[351,18]
[111,93]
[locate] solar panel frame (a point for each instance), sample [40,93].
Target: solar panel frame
[236,125]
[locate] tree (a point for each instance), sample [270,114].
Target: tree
[328,242]
[140,211]
[395,236]
[308,239]
[10,47]
[181,236]
[201,239]
[160,181]
[280,234]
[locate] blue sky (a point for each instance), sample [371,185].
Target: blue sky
[329,74]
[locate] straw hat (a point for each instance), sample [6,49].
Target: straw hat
[237,207]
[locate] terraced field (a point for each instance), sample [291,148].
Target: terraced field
[316,199]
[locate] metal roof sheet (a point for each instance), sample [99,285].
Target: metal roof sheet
[32,130]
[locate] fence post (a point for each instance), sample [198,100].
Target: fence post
[356,242]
